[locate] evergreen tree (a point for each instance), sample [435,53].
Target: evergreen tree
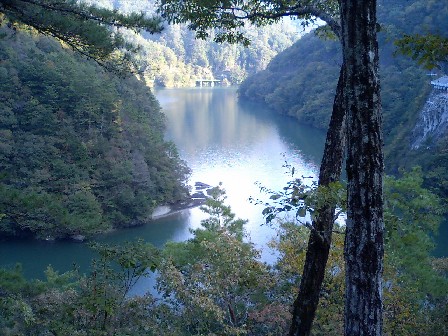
[83,150]
[90,30]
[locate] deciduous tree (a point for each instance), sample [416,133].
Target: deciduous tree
[346,20]
[365,224]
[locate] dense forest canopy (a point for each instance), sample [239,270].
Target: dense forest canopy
[175,58]
[90,30]
[188,58]
[215,283]
[82,150]
[300,81]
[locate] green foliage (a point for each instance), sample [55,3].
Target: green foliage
[85,28]
[299,197]
[434,160]
[415,291]
[19,298]
[291,244]
[300,82]
[221,216]
[126,263]
[217,288]
[428,50]
[296,196]
[70,304]
[46,215]
[13,281]
[412,217]
[423,39]
[103,294]
[215,284]
[82,149]
[176,58]
[228,17]
[255,26]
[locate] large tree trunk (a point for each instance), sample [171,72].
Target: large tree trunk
[365,225]
[319,243]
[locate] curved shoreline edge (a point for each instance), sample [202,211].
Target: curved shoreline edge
[197,198]
[168,210]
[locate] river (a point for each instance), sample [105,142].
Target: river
[222,140]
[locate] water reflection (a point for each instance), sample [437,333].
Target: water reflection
[239,145]
[210,119]
[222,141]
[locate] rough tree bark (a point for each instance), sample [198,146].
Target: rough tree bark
[365,225]
[305,305]
[364,232]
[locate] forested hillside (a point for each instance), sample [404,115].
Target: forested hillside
[175,58]
[215,283]
[82,151]
[300,82]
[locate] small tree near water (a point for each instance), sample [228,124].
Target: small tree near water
[221,216]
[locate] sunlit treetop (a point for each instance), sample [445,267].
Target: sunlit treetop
[91,31]
[227,17]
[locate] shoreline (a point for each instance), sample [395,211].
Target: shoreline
[171,209]
[197,198]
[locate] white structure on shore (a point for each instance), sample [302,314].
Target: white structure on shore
[441,83]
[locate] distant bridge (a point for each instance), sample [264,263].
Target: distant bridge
[208,82]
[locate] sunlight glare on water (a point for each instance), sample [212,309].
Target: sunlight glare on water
[236,145]
[222,140]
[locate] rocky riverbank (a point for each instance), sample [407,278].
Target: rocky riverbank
[197,198]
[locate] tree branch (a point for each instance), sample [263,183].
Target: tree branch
[136,22]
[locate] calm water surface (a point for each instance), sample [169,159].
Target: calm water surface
[222,141]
